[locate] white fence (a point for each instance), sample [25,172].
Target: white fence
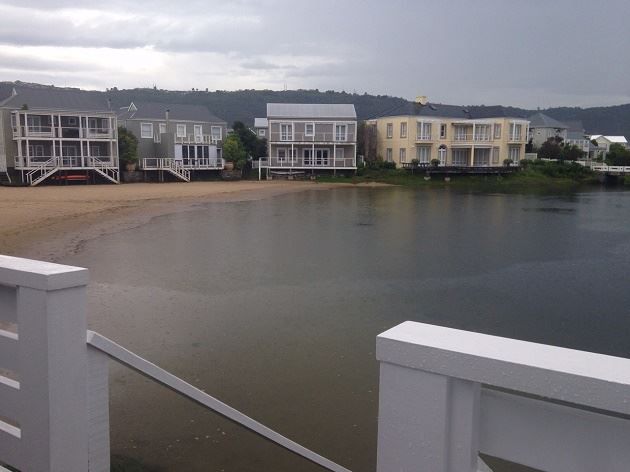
[446,395]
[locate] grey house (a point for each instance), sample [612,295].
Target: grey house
[543,127]
[57,134]
[310,138]
[174,138]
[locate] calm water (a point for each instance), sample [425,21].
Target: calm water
[273,307]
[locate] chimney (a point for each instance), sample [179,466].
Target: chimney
[166,114]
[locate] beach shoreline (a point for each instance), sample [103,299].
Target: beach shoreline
[50,222]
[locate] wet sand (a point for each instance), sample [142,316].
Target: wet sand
[50,221]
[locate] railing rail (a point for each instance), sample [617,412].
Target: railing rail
[299,136]
[446,395]
[55,418]
[301,162]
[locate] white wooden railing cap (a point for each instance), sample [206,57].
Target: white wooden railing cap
[16,271]
[578,377]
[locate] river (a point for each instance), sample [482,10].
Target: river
[273,306]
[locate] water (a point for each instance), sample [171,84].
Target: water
[273,307]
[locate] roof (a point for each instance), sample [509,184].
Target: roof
[616,139]
[576,135]
[540,120]
[56,98]
[260,123]
[176,111]
[311,110]
[440,110]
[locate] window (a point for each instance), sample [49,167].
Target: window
[460,133]
[282,154]
[403,130]
[497,131]
[495,155]
[390,130]
[423,154]
[261,132]
[181,131]
[162,128]
[216,133]
[35,123]
[146,130]
[388,155]
[482,157]
[95,151]
[341,133]
[286,132]
[515,153]
[443,131]
[309,129]
[482,133]
[198,130]
[36,150]
[442,155]
[339,153]
[515,132]
[423,131]
[402,155]
[72,121]
[460,157]
[307,154]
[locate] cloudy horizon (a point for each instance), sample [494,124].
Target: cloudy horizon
[527,54]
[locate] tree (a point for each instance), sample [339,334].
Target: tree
[571,152]
[233,149]
[550,149]
[127,147]
[252,144]
[618,155]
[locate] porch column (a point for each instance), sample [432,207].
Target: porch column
[472,155]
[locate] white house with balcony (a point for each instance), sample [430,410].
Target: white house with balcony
[310,138]
[50,134]
[175,140]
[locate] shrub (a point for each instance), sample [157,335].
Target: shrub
[435,162]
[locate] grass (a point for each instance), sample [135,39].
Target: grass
[533,177]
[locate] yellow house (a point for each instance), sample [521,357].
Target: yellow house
[452,135]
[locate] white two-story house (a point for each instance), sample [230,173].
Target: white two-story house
[310,138]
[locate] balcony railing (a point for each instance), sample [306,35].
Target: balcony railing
[424,137]
[151,163]
[316,137]
[67,132]
[300,162]
[65,161]
[515,138]
[198,139]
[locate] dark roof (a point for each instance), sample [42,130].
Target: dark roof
[575,126]
[451,111]
[576,135]
[540,120]
[311,110]
[176,111]
[55,98]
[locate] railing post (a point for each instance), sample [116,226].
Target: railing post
[51,318]
[426,421]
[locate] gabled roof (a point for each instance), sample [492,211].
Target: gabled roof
[612,139]
[540,120]
[260,123]
[311,110]
[176,111]
[39,97]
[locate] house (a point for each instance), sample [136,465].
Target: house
[175,139]
[604,142]
[542,127]
[576,136]
[260,127]
[57,134]
[310,138]
[452,135]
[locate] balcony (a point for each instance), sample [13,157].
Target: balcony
[198,139]
[424,137]
[65,132]
[316,137]
[516,138]
[307,163]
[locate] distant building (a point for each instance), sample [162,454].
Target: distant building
[452,135]
[542,127]
[175,138]
[310,137]
[57,134]
[261,127]
[604,142]
[576,136]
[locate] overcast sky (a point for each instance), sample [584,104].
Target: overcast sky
[525,53]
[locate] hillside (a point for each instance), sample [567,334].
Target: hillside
[245,105]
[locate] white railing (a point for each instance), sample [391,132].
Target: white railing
[446,395]
[315,137]
[615,169]
[423,137]
[301,162]
[173,166]
[64,162]
[197,139]
[46,131]
[54,387]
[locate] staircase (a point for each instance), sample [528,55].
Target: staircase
[42,172]
[177,169]
[105,170]
[5,178]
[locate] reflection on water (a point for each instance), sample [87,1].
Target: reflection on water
[273,306]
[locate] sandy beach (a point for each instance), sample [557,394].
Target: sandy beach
[49,221]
